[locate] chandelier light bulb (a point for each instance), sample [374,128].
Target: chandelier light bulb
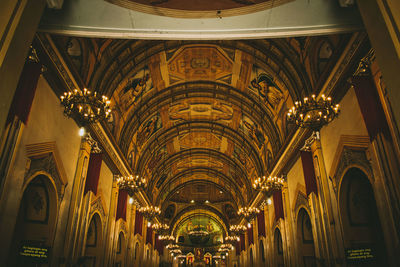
[130,200]
[81,132]
[249,225]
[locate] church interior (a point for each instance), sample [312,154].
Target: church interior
[200,133]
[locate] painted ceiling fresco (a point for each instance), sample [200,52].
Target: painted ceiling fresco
[211,115]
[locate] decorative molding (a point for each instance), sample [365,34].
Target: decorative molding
[301,201]
[44,157]
[300,189]
[97,206]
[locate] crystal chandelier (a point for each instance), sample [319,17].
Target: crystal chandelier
[225,248]
[268,185]
[160,228]
[149,212]
[176,251]
[237,228]
[249,213]
[131,183]
[312,113]
[232,239]
[167,238]
[85,107]
[172,247]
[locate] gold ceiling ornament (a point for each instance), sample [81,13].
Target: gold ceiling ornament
[149,212]
[249,213]
[268,185]
[237,229]
[131,183]
[313,113]
[232,239]
[85,107]
[160,228]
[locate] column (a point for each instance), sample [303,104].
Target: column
[110,225]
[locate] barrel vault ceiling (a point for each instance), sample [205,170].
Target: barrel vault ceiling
[200,120]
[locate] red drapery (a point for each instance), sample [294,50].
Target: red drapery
[278,205]
[309,172]
[138,223]
[159,245]
[261,224]
[149,235]
[237,247]
[242,242]
[25,92]
[250,235]
[370,106]
[93,172]
[121,206]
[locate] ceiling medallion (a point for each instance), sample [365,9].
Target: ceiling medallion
[85,107]
[249,213]
[268,185]
[312,113]
[237,229]
[131,183]
[149,212]
[160,228]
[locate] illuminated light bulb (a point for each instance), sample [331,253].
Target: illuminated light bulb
[249,225]
[148,224]
[81,131]
[269,201]
[130,200]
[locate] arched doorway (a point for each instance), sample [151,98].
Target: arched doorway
[251,257]
[360,220]
[262,252]
[278,248]
[93,247]
[305,239]
[35,224]
[137,256]
[120,251]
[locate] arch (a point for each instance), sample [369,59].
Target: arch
[251,260]
[120,252]
[93,242]
[305,239]
[278,248]
[359,216]
[262,251]
[37,216]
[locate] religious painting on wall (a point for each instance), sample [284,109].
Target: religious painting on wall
[36,203]
[252,130]
[147,129]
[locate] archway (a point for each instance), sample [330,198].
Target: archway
[262,253]
[93,242]
[120,251]
[278,248]
[360,220]
[137,256]
[251,258]
[36,222]
[305,239]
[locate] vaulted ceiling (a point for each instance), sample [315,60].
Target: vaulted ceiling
[200,120]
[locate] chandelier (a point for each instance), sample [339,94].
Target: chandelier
[160,228]
[167,238]
[225,248]
[268,185]
[176,251]
[312,113]
[237,229]
[149,212]
[232,239]
[172,247]
[85,107]
[131,183]
[249,213]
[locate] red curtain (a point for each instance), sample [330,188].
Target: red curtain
[237,247]
[121,206]
[138,223]
[242,242]
[149,235]
[261,224]
[250,236]
[25,92]
[278,205]
[309,172]
[93,172]
[159,245]
[370,105]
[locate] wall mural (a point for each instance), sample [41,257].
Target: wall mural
[147,129]
[252,130]
[213,236]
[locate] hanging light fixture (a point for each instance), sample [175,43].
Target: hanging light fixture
[249,213]
[169,239]
[232,239]
[171,247]
[149,212]
[225,248]
[237,229]
[160,228]
[312,113]
[268,185]
[131,183]
[85,106]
